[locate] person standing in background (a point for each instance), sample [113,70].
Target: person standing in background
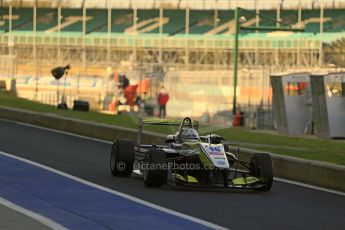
[162,99]
[123,81]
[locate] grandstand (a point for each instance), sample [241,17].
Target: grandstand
[187,34]
[131,29]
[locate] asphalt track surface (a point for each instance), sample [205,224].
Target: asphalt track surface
[286,206]
[10,219]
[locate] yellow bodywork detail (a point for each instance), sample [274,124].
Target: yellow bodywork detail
[178,176]
[189,179]
[245,180]
[192,179]
[204,160]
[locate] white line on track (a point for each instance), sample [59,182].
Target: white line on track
[43,220]
[59,131]
[109,142]
[309,186]
[126,196]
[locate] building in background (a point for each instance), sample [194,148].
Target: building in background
[191,42]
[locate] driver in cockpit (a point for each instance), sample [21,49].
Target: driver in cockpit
[189,135]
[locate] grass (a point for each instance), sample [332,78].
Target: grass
[332,151]
[128,121]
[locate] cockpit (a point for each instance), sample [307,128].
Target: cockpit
[189,135]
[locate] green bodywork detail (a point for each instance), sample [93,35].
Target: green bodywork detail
[192,145]
[206,162]
[156,121]
[202,157]
[245,180]
[189,179]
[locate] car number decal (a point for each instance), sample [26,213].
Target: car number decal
[214,151]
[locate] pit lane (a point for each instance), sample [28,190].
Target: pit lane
[286,206]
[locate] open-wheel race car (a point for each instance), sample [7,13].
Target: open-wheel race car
[187,159]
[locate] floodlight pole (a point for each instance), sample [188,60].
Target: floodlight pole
[238,28]
[63,97]
[235,57]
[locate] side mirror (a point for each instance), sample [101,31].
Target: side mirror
[216,139]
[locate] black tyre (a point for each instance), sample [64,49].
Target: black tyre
[155,171]
[261,167]
[122,158]
[226,148]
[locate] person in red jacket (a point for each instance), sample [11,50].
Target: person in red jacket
[162,99]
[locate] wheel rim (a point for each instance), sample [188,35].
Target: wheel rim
[253,168]
[113,158]
[145,171]
[145,174]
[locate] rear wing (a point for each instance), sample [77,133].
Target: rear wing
[164,122]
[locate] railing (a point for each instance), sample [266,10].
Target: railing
[252,41]
[182,4]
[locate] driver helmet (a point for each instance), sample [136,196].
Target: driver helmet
[190,135]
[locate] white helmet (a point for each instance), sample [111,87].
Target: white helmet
[189,135]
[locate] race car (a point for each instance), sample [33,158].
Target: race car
[188,159]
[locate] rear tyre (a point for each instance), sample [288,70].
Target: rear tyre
[261,167]
[155,171]
[122,158]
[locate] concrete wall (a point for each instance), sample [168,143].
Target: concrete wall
[307,171]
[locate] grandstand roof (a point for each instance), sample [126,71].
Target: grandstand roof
[172,23]
[179,4]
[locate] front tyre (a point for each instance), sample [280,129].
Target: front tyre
[122,158]
[226,148]
[155,171]
[261,167]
